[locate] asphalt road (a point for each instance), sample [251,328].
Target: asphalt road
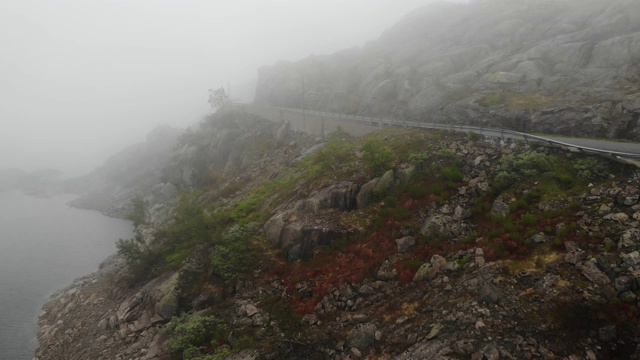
[632,149]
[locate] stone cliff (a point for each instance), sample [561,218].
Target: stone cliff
[563,66]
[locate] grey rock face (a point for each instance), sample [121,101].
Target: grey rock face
[476,64]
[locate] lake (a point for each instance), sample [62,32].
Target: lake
[44,246]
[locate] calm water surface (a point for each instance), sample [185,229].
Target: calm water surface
[44,245]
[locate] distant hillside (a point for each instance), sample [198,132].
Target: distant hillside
[555,66]
[130,172]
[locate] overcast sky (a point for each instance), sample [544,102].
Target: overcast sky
[80,79]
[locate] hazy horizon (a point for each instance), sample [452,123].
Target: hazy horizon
[81,80]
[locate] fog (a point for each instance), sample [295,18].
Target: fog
[81,79]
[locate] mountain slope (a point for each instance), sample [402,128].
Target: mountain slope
[404,244]
[556,66]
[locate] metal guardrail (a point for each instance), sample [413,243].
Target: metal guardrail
[462,128]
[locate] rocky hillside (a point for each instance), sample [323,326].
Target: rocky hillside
[404,244]
[555,66]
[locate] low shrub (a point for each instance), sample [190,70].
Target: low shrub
[514,168]
[377,157]
[591,169]
[452,174]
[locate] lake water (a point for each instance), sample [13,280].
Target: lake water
[44,246]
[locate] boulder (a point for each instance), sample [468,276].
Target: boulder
[539,238]
[499,208]
[365,195]
[405,244]
[386,182]
[386,272]
[361,337]
[273,228]
[437,225]
[590,271]
[291,234]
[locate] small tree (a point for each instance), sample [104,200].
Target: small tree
[217,98]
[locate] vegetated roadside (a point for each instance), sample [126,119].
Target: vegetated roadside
[403,244]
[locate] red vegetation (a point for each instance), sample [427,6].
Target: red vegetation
[333,268]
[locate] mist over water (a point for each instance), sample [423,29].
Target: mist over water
[44,246]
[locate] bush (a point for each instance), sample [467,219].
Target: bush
[473,135]
[377,157]
[521,203]
[131,249]
[197,337]
[519,167]
[140,259]
[336,151]
[591,169]
[191,226]
[452,174]
[419,158]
